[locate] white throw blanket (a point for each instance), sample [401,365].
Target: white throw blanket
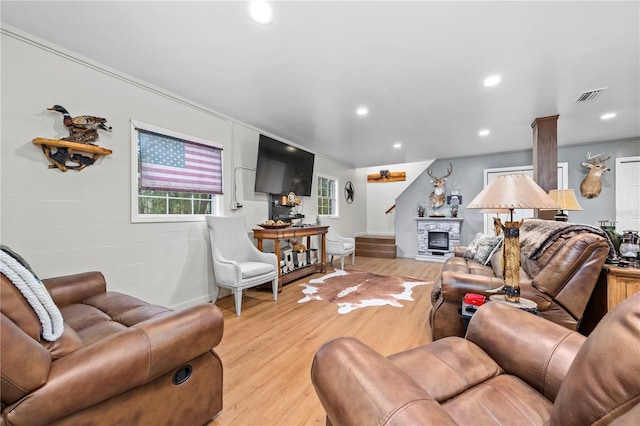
[36,294]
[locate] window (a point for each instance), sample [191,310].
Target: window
[327,199]
[176,177]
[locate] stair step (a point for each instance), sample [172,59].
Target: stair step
[377,239]
[376,253]
[376,246]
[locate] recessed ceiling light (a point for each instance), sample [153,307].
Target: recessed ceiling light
[484,132]
[362,111]
[260,12]
[492,81]
[397,145]
[608,116]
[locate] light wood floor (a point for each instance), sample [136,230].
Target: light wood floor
[267,352]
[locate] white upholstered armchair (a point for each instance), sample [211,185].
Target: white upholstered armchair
[237,263]
[338,245]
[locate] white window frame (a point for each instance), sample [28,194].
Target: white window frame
[336,197]
[217,200]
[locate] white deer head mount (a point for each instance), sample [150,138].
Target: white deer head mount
[591,185]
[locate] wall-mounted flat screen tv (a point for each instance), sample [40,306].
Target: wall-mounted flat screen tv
[283,168]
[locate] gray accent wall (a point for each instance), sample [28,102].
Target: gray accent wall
[468,176]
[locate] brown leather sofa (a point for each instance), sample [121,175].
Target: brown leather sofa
[511,368]
[560,278]
[119,361]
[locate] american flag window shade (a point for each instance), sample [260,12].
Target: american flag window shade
[172,164]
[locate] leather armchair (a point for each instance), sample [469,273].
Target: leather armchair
[512,367]
[119,360]
[560,281]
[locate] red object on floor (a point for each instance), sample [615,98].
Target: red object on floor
[474,299]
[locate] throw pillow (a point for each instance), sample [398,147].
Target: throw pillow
[472,248]
[487,246]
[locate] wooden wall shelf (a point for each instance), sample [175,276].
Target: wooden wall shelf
[392,177]
[66,151]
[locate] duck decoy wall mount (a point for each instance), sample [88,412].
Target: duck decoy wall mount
[83,131]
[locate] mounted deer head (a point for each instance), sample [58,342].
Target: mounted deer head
[437,197]
[591,185]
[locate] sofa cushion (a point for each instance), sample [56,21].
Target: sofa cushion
[486,247]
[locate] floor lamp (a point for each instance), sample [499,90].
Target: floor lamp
[517,191]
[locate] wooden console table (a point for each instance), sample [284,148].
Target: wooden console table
[621,283]
[614,285]
[294,232]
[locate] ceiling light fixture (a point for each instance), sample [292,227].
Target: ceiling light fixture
[607,116]
[492,81]
[484,132]
[362,111]
[260,12]
[397,145]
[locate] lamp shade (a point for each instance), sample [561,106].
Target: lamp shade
[496,211]
[565,198]
[516,191]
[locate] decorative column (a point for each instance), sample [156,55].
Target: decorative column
[545,157]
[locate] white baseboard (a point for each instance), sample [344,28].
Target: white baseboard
[190,303]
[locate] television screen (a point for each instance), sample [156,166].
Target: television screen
[283,168]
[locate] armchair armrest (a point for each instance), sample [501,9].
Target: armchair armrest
[357,386]
[538,351]
[260,256]
[228,271]
[75,288]
[127,360]
[336,243]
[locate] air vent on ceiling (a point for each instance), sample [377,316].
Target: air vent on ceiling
[590,95]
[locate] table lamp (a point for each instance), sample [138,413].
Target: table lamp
[566,199]
[516,191]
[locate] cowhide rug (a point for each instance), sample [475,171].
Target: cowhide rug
[353,289]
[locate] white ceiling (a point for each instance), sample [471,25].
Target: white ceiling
[418,66]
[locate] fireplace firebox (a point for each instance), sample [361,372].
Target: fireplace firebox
[438,242]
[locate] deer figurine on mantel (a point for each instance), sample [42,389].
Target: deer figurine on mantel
[591,185]
[437,197]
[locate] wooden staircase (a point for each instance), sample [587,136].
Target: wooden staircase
[381,246]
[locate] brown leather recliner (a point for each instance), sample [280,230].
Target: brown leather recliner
[559,280]
[119,360]
[512,367]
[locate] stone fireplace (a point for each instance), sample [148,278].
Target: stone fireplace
[437,236]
